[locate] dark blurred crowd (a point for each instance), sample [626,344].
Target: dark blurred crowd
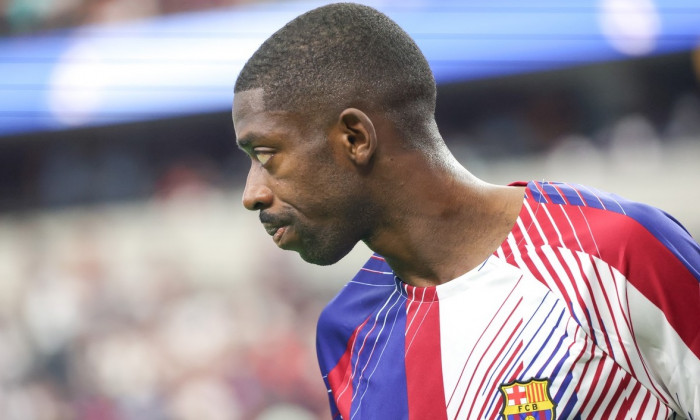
[179,306]
[133,286]
[28,16]
[173,308]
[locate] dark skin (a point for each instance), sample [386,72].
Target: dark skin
[322,188]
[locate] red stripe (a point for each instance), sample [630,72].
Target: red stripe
[626,405]
[612,314]
[528,194]
[500,379]
[580,355]
[539,226]
[557,281]
[570,239]
[426,395]
[539,189]
[619,389]
[648,265]
[479,340]
[493,362]
[656,410]
[505,249]
[585,366]
[483,354]
[340,377]
[643,408]
[596,380]
[549,228]
[525,220]
[636,346]
[526,223]
[582,301]
[574,228]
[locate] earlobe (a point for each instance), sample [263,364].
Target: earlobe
[359,135]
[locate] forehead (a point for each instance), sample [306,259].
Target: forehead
[252,121]
[247,102]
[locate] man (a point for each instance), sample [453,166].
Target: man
[538,300]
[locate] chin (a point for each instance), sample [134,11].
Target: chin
[322,260]
[323,256]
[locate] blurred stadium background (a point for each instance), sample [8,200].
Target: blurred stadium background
[132,283]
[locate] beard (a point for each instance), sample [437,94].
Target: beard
[324,246]
[323,243]
[320,245]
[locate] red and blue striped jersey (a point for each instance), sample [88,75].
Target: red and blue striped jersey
[589,309]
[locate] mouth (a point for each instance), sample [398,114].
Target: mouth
[276,226]
[276,231]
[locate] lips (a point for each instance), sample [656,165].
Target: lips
[275,226]
[276,231]
[277,237]
[272,229]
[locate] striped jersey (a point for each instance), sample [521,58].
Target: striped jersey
[589,309]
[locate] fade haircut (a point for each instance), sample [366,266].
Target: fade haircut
[343,55]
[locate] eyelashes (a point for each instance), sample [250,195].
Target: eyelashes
[263,156]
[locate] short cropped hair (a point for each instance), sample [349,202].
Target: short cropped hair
[343,55]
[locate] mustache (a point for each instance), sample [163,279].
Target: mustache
[274,219]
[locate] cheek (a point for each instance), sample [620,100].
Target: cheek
[317,185]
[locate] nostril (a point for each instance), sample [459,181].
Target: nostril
[257,197]
[258,206]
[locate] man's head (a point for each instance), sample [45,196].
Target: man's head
[308,107]
[341,56]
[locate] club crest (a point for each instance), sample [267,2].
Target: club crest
[527,400]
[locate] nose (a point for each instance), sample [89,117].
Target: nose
[256,195]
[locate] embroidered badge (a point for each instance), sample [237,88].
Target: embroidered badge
[527,400]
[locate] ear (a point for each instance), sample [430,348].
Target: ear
[357,135]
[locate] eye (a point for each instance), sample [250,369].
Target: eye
[262,155]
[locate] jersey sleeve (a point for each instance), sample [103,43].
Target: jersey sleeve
[637,281]
[660,263]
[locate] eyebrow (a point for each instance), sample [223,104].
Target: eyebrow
[246,141]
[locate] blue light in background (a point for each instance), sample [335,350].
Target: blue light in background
[187,64]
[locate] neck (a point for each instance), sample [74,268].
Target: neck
[438,227]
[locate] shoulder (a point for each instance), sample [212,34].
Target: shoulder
[610,226]
[358,298]
[352,306]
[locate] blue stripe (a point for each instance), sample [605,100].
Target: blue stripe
[515,340]
[349,309]
[508,373]
[385,367]
[590,199]
[565,412]
[546,341]
[552,194]
[571,194]
[590,325]
[525,371]
[536,195]
[549,360]
[563,387]
[559,365]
